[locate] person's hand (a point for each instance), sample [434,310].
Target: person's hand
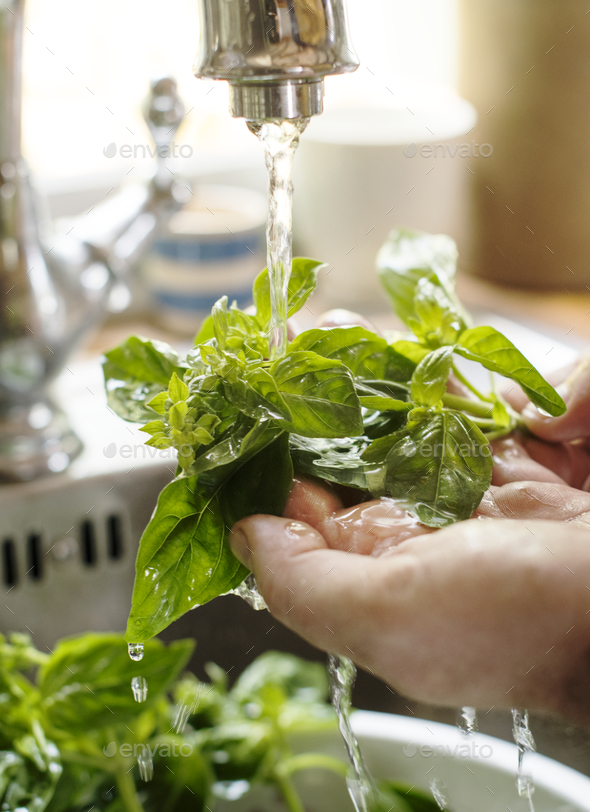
[558,449]
[472,614]
[486,612]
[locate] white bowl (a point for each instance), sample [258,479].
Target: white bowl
[479,771]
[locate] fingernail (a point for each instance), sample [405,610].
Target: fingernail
[564,390]
[239,543]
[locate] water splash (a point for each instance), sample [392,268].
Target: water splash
[135,651]
[467,720]
[248,591]
[230,790]
[361,787]
[526,744]
[280,140]
[184,710]
[145,763]
[440,795]
[139,686]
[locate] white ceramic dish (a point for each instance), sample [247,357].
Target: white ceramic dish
[479,771]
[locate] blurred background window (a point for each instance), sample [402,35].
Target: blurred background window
[88,65]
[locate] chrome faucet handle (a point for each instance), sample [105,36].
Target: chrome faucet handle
[274,53]
[163,111]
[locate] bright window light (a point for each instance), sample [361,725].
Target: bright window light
[88,65]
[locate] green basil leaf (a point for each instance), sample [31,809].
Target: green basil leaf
[184,557]
[385,396]
[294,677]
[139,359]
[135,372]
[439,468]
[339,461]
[206,333]
[28,777]
[179,784]
[495,352]
[412,350]
[366,354]
[319,394]
[409,256]
[241,439]
[220,321]
[261,485]
[429,381]
[408,798]
[86,684]
[302,283]
[440,318]
[261,296]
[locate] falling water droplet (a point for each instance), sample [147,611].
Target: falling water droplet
[439,793]
[230,790]
[248,591]
[145,763]
[526,744]
[182,713]
[467,719]
[136,651]
[139,687]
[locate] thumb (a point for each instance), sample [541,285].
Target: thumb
[575,423]
[324,595]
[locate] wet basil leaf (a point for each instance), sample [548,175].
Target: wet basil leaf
[302,284]
[366,354]
[261,485]
[439,468]
[495,352]
[429,381]
[409,256]
[337,461]
[135,372]
[86,683]
[319,394]
[439,316]
[184,557]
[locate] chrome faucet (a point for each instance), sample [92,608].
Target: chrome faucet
[54,290]
[274,53]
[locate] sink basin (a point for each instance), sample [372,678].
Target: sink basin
[478,771]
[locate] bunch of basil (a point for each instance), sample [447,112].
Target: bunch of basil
[70,729]
[343,404]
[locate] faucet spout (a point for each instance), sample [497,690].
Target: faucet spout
[274,54]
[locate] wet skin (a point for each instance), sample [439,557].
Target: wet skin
[491,611]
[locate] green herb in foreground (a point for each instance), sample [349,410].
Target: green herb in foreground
[343,404]
[71,731]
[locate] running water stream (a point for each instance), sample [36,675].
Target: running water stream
[280,140]
[361,787]
[526,744]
